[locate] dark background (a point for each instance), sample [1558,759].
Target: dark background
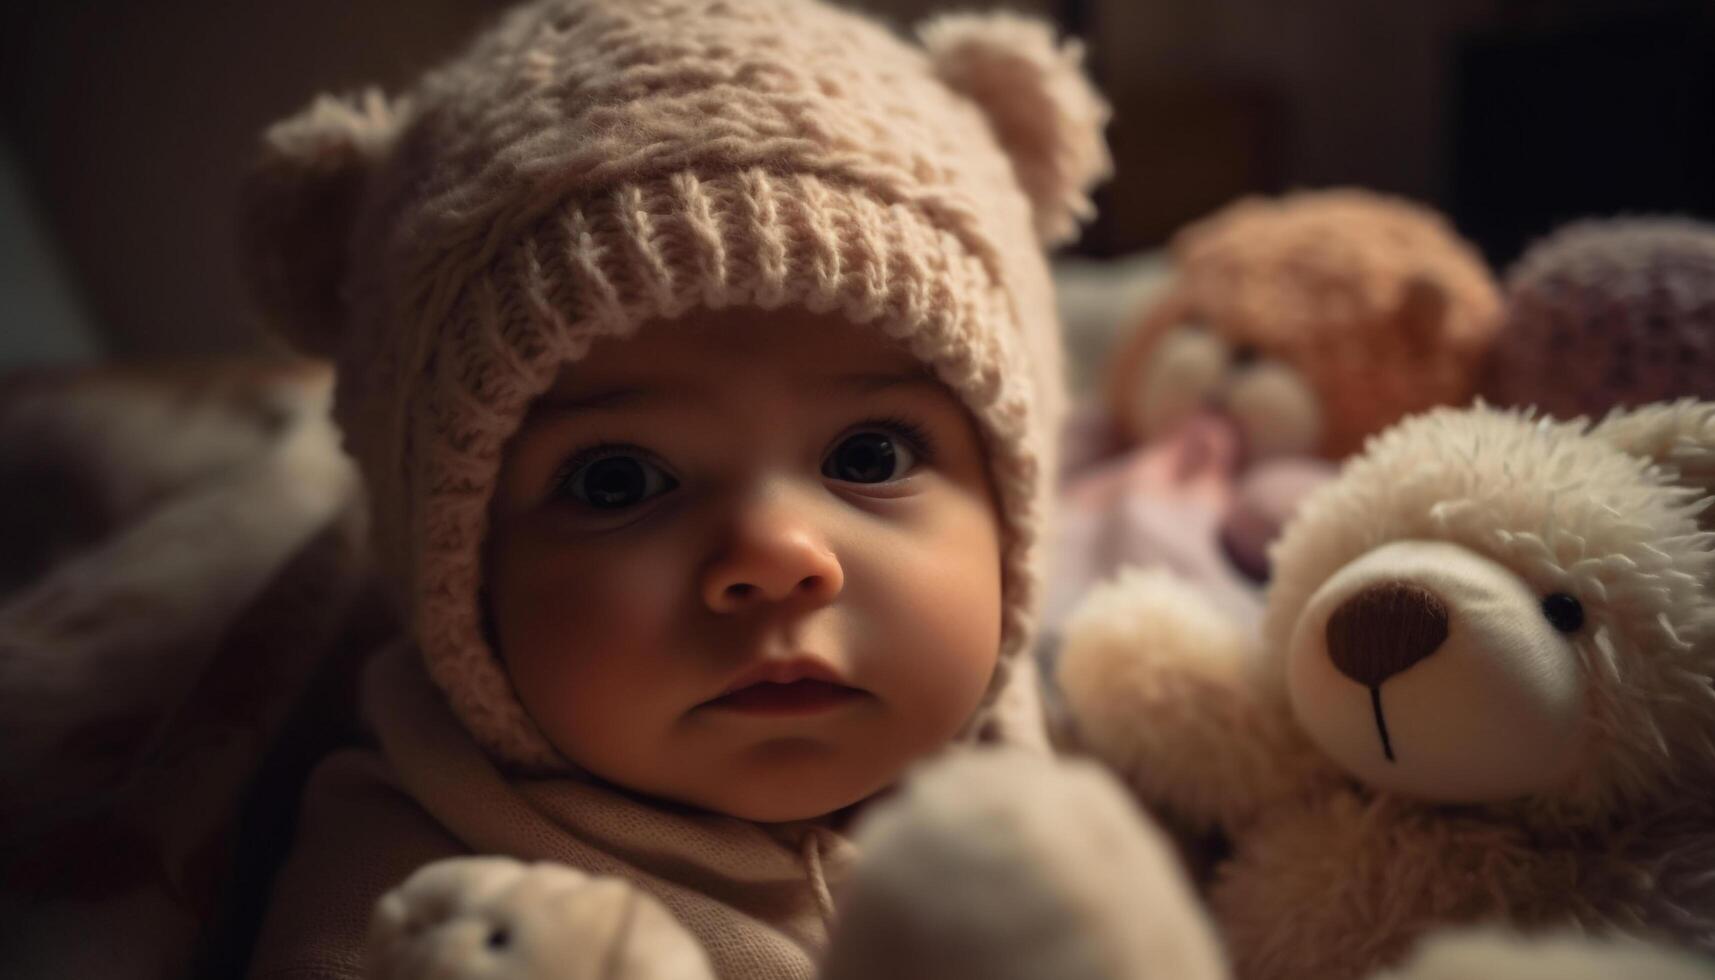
[125,126]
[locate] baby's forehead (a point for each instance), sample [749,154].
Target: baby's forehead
[738,346]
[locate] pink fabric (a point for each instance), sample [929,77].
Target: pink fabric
[1185,503]
[1162,504]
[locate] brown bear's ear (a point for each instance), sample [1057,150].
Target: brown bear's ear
[1679,435]
[1423,309]
[297,208]
[1044,111]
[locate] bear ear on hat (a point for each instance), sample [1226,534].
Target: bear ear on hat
[1044,111]
[297,208]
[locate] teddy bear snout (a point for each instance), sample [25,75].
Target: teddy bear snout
[1429,669]
[1384,629]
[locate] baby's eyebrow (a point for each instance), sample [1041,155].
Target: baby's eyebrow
[559,405]
[614,397]
[870,382]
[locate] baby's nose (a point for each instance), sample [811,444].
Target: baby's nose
[774,560]
[738,596]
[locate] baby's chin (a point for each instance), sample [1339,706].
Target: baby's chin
[791,779]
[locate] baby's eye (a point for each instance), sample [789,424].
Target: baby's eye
[612,480]
[872,456]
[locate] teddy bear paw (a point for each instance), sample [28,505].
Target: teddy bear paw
[491,917]
[1005,865]
[1489,953]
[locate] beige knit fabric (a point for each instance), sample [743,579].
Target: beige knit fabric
[758,898]
[588,166]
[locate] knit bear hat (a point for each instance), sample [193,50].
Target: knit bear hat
[587,166]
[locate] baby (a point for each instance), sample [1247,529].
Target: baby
[701,362]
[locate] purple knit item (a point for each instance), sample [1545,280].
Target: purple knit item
[1609,313]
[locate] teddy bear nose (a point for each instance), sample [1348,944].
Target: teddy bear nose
[1384,629]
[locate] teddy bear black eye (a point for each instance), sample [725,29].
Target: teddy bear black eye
[1564,612]
[499,938]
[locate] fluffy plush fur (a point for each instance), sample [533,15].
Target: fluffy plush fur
[1493,953]
[1006,866]
[1536,768]
[1314,319]
[494,916]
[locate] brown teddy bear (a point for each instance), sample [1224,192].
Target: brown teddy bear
[1312,320]
[1484,693]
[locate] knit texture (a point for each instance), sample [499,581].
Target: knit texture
[586,167]
[1606,314]
[1375,300]
[755,896]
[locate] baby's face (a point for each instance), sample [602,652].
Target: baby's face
[747,561]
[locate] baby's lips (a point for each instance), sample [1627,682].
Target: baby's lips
[787,670]
[798,697]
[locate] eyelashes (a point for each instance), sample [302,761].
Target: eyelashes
[613,480]
[915,435]
[592,453]
[565,478]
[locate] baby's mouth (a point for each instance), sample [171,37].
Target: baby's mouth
[799,686]
[800,697]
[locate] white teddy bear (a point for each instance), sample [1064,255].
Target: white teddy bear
[1484,693]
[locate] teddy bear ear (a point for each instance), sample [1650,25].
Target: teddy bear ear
[1423,309]
[1044,111]
[297,208]
[1679,435]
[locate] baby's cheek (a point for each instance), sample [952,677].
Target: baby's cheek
[598,679]
[566,616]
[624,607]
[578,593]
[941,596]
